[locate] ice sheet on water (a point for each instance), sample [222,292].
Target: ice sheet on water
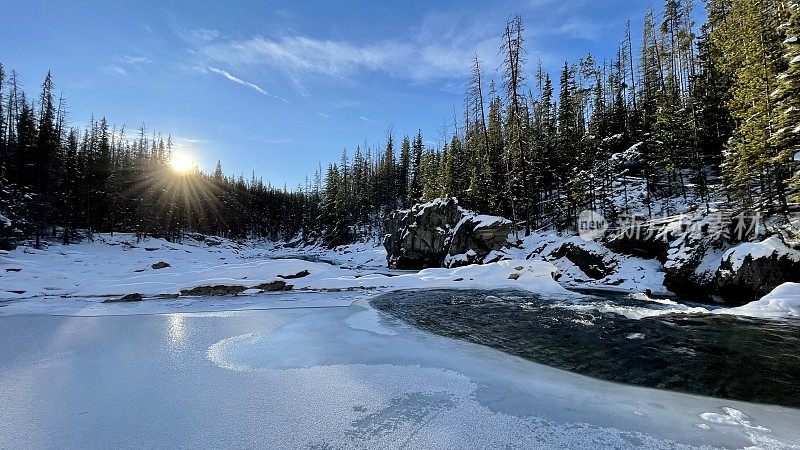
[390,405]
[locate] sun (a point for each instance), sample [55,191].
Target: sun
[181,162]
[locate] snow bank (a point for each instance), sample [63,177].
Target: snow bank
[627,273]
[768,247]
[782,303]
[367,254]
[534,276]
[120,265]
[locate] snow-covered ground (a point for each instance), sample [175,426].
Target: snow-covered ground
[368,254]
[317,366]
[331,377]
[119,266]
[76,279]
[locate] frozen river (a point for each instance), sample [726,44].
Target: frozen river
[337,376]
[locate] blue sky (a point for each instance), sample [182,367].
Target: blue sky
[277,87]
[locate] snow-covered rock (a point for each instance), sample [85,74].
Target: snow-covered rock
[440,233]
[589,264]
[475,237]
[752,269]
[416,237]
[783,302]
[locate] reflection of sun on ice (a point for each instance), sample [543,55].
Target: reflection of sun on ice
[181,162]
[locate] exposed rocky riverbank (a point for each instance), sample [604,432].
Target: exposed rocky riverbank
[683,257]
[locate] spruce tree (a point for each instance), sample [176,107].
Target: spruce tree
[415,186]
[786,138]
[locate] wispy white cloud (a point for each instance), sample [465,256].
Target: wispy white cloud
[437,50]
[204,34]
[122,64]
[298,55]
[133,60]
[187,141]
[440,47]
[253,86]
[115,70]
[323,115]
[195,36]
[366,119]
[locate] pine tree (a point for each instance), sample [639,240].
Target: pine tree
[415,187]
[517,161]
[403,172]
[751,47]
[711,95]
[786,138]
[498,197]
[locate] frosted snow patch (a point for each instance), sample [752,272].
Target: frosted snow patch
[732,417]
[644,297]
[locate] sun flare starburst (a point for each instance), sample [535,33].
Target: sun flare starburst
[181,162]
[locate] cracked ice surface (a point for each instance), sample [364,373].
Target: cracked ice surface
[339,377]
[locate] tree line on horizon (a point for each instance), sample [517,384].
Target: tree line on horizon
[692,115]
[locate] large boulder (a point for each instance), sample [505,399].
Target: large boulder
[691,266]
[476,237]
[751,270]
[738,274]
[416,237]
[441,233]
[593,264]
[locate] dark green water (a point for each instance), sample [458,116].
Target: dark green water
[718,355]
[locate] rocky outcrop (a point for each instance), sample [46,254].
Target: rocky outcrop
[439,234]
[127,298]
[476,237]
[736,275]
[645,245]
[217,290]
[691,265]
[694,254]
[275,286]
[749,271]
[160,265]
[416,237]
[303,273]
[592,264]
